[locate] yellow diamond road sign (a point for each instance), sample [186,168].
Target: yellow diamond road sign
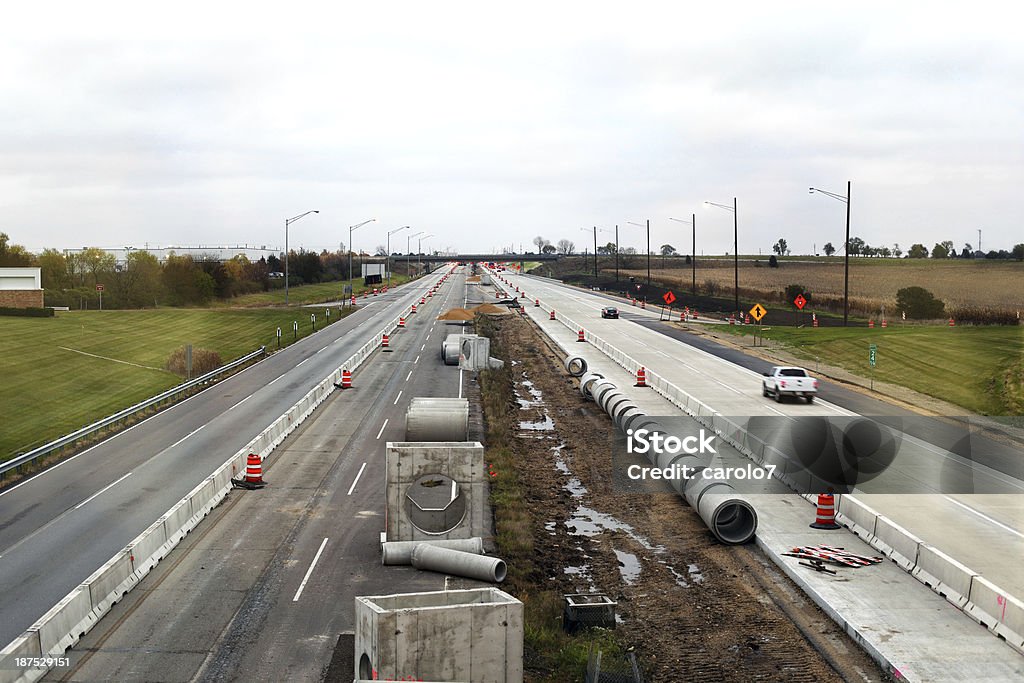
[758,312]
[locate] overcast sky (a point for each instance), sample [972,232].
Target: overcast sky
[487,124]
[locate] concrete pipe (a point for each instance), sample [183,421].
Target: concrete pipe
[437,419]
[400,552]
[587,383]
[600,388]
[613,403]
[458,563]
[621,409]
[627,416]
[729,516]
[605,396]
[576,366]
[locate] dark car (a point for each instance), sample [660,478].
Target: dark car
[609,312]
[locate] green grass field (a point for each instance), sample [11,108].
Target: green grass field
[49,390]
[978,368]
[304,294]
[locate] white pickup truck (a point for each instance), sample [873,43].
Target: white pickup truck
[789,381]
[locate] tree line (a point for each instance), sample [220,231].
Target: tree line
[142,281]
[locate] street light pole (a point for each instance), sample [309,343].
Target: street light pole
[387,257]
[693,249]
[350,229]
[846,250]
[735,248]
[408,250]
[419,250]
[616,252]
[287,222]
[640,225]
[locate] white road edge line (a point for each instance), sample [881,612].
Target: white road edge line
[382,428]
[240,402]
[316,558]
[424,346]
[108,486]
[356,480]
[408,376]
[396,398]
[417,359]
[985,517]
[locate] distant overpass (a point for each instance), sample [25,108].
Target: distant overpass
[469,258]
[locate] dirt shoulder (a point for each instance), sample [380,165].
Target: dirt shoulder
[692,609]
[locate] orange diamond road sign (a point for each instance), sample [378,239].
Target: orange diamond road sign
[800,301]
[758,311]
[669,297]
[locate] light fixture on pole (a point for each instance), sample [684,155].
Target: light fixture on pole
[640,225]
[596,230]
[693,249]
[735,248]
[846,250]
[350,229]
[419,250]
[387,257]
[287,222]
[408,249]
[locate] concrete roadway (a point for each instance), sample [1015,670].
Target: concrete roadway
[59,526]
[968,527]
[267,587]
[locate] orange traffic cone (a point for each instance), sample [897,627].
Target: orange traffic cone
[423,300]
[536,303]
[353,299]
[384,342]
[413,309]
[952,323]
[346,379]
[826,516]
[871,324]
[580,337]
[643,304]
[682,316]
[552,316]
[254,470]
[641,377]
[401,321]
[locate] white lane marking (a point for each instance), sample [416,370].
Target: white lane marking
[424,346]
[460,382]
[301,362]
[274,380]
[183,438]
[323,349]
[408,376]
[240,402]
[356,480]
[316,558]
[398,397]
[382,428]
[417,359]
[108,486]
[985,517]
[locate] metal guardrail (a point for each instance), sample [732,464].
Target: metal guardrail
[68,439]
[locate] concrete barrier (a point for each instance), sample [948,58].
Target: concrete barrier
[857,517]
[65,623]
[943,574]
[997,611]
[25,645]
[110,582]
[897,543]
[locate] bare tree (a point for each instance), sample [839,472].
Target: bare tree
[566,247]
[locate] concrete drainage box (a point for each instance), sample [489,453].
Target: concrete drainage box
[435,490]
[462,635]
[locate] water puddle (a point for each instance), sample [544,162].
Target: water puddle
[545,425]
[536,397]
[693,576]
[550,527]
[629,566]
[531,398]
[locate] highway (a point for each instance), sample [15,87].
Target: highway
[59,526]
[967,527]
[266,587]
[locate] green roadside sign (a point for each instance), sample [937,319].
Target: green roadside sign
[872,354]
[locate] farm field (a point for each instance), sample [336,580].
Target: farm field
[873,282]
[978,368]
[51,387]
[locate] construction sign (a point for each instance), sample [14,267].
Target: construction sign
[800,301]
[758,311]
[669,297]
